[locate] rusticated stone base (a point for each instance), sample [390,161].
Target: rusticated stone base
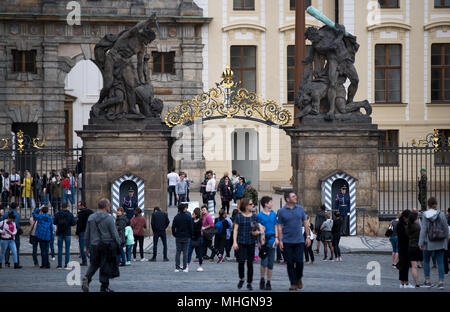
[352,149]
[112,150]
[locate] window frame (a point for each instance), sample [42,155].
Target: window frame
[442,67]
[389,148]
[292,7]
[22,55]
[389,6]
[442,6]
[386,69]
[163,56]
[243,8]
[288,69]
[243,69]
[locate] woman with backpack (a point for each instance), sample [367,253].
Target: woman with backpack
[221,236]
[196,241]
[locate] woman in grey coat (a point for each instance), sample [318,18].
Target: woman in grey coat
[429,247]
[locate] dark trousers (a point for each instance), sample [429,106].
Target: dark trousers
[280,254]
[138,239]
[345,228]
[183,198]
[182,248]
[403,266]
[97,257]
[35,243]
[226,205]
[294,259]
[228,245]
[172,193]
[157,235]
[43,245]
[56,204]
[246,252]
[207,243]
[5,196]
[219,245]
[309,253]
[17,240]
[336,240]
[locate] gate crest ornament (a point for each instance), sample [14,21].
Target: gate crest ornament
[228,100]
[436,140]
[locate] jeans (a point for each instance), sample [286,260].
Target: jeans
[246,252]
[172,193]
[129,248]
[35,244]
[394,243]
[81,243]
[138,239]
[198,251]
[157,235]
[27,203]
[17,245]
[267,262]
[439,254]
[183,198]
[121,257]
[337,250]
[56,204]
[294,259]
[43,245]
[11,245]
[5,196]
[219,245]
[66,240]
[182,247]
[309,253]
[51,245]
[228,245]
[212,197]
[45,199]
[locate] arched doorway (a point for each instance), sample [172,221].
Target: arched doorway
[335,188]
[245,156]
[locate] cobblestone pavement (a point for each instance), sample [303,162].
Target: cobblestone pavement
[347,276]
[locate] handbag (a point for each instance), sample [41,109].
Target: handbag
[389,231]
[210,232]
[195,243]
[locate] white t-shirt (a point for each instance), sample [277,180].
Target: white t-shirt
[173,177]
[14,178]
[211,185]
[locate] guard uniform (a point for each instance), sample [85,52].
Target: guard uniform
[342,203]
[130,203]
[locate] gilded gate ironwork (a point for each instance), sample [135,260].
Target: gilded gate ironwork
[228,100]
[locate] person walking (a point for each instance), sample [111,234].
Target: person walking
[33,240]
[44,233]
[268,219]
[102,236]
[64,220]
[172,178]
[433,240]
[414,253]
[197,240]
[244,240]
[121,223]
[13,208]
[129,241]
[8,230]
[327,236]
[138,224]
[160,222]
[226,193]
[80,232]
[336,231]
[309,253]
[320,218]
[181,189]
[403,246]
[221,236]
[182,228]
[394,242]
[290,220]
[207,223]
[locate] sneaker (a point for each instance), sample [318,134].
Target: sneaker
[176,271]
[393,266]
[441,286]
[331,259]
[53,258]
[134,260]
[17,266]
[199,269]
[325,259]
[59,267]
[67,268]
[83,264]
[128,263]
[317,251]
[227,259]
[262,284]
[186,270]
[408,286]
[151,260]
[7,264]
[340,259]
[402,286]
[85,285]
[306,262]
[240,284]
[143,260]
[106,290]
[249,286]
[268,286]
[427,285]
[220,259]
[417,286]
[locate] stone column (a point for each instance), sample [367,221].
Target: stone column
[318,152]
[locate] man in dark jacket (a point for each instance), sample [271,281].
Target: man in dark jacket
[182,228]
[342,203]
[64,220]
[102,236]
[82,218]
[160,222]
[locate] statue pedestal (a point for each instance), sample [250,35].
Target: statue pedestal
[321,151]
[133,148]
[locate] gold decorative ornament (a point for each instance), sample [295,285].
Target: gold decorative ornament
[228,100]
[20,140]
[435,140]
[36,143]
[23,142]
[5,144]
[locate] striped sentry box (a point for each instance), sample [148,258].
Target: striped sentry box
[328,201]
[115,191]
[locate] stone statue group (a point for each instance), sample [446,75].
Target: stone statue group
[127,92]
[328,66]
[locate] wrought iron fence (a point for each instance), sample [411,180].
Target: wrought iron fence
[39,162]
[399,173]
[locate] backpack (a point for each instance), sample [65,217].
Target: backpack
[63,223]
[389,231]
[219,226]
[437,230]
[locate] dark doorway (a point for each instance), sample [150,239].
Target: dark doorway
[335,188]
[25,160]
[124,187]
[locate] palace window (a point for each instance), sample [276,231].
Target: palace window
[442,156]
[388,73]
[389,4]
[292,4]
[24,61]
[163,62]
[387,154]
[243,64]
[244,5]
[291,92]
[442,4]
[440,72]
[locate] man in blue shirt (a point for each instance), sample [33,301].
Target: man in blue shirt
[268,219]
[291,218]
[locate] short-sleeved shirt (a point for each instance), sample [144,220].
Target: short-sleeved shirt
[172,177]
[327,225]
[292,222]
[269,222]
[244,229]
